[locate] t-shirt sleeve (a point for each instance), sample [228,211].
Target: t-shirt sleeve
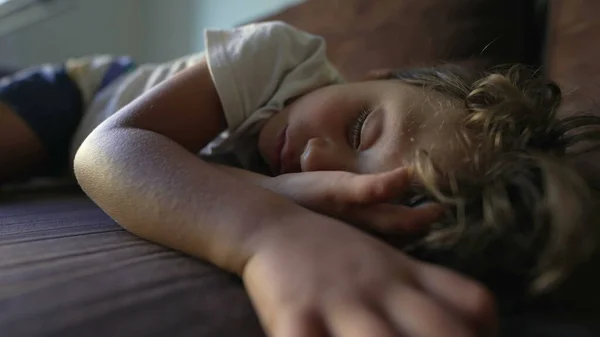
[261,66]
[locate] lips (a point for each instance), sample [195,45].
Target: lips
[277,154]
[285,156]
[288,161]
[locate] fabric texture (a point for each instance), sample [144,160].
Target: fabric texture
[123,90]
[53,98]
[573,54]
[573,61]
[256,70]
[67,270]
[363,35]
[93,74]
[50,102]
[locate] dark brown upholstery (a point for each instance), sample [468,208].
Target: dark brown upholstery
[66,269]
[573,60]
[574,52]
[367,34]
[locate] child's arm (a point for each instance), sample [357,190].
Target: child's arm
[307,274]
[140,167]
[366,200]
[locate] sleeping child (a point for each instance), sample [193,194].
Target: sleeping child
[256,155]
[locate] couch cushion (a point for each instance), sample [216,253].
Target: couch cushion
[66,269]
[573,53]
[367,34]
[573,60]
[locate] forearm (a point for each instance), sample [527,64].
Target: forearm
[162,192]
[254,178]
[298,187]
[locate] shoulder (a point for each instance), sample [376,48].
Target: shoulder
[276,33]
[279,28]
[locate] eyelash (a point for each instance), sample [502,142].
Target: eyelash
[357,127]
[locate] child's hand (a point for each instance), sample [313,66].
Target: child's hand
[319,278]
[360,199]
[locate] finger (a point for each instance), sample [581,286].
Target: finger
[359,320]
[397,219]
[372,188]
[300,324]
[414,314]
[404,219]
[467,298]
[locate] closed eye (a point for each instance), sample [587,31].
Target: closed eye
[356,128]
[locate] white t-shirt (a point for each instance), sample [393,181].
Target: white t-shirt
[256,69]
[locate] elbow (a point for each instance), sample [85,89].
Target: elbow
[94,169]
[88,163]
[82,164]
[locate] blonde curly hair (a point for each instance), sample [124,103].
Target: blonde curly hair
[521,212]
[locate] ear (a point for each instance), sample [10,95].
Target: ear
[378,74]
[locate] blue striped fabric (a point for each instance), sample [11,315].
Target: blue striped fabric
[51,103]
[118,67]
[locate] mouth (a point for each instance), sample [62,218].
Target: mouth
[277,155]
[287,161]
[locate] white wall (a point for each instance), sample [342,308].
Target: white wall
[92,26]
[175,27]
[168,27]
[229,13]
[148,30]
[9,56]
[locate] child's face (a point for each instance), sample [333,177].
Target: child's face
[361,127]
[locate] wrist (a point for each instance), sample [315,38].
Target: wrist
[287,226]
[283,185]
[247,176]
[263,219]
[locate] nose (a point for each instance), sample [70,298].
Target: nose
[322,155]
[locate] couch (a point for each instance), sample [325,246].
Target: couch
[66,269]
